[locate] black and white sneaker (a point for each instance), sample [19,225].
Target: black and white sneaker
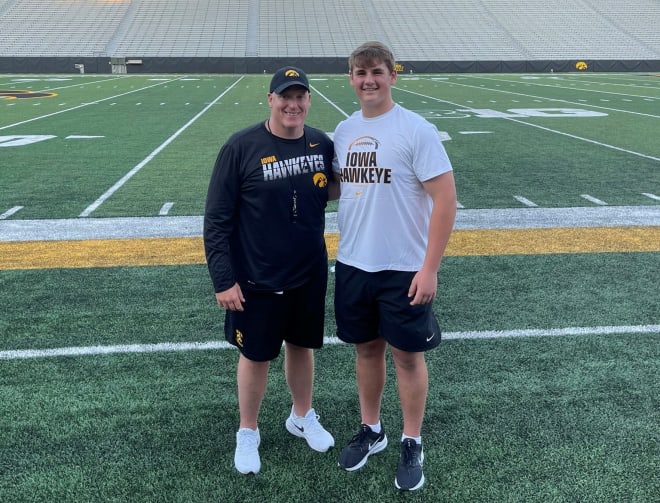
[361,446]
[409,474]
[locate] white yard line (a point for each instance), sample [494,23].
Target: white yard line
[20,354]
[581,138]
[119,184]
[82,105]
[516,93]
[330,102]
[555,332]
[532,83]
[613,147]
[68,80]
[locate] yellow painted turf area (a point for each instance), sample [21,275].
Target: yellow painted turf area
[181,251]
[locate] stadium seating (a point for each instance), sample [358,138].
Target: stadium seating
[58,28]
[570,29]
[422,30]
[199,28]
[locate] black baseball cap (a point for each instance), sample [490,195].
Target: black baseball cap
[287,77]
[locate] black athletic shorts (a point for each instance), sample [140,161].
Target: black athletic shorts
[270,318]
[369,305]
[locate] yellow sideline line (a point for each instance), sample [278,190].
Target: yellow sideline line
[179,251]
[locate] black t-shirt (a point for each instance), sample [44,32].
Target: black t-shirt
[265,209]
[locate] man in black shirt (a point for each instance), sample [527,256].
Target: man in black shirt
[265,248]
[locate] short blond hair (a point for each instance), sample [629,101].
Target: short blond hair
[371,54]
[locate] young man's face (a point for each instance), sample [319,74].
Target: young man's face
[373,85]
[290,108]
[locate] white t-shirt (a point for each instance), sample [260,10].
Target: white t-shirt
[384,211]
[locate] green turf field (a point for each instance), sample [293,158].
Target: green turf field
[116,385]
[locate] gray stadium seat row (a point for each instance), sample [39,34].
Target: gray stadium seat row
[423,30]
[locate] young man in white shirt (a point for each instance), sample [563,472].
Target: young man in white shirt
[396,212]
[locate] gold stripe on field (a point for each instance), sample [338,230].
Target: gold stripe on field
[179,251]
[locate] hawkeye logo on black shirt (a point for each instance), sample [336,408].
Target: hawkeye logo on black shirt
[277,170]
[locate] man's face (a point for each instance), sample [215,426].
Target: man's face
[373,84]
[290,108]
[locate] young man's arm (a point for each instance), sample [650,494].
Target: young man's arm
[442,190]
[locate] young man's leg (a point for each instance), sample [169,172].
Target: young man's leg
[410,330]
[413,381]
[370,371]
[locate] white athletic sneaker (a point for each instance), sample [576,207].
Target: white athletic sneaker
[309,428]
[246,457]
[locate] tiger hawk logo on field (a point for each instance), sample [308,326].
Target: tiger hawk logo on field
[13,94]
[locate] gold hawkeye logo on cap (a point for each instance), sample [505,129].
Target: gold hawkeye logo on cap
[291,73]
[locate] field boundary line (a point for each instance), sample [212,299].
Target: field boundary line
[22,354]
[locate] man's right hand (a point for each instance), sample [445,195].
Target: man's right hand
[231,298]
